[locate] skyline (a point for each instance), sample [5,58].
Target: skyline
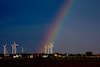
[28,22]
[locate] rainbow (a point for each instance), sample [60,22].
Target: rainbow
[58,22]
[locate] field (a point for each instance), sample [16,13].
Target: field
[49,63]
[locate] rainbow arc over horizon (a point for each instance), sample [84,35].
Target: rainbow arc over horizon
[63,13]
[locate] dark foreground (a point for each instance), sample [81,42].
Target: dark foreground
[50,63]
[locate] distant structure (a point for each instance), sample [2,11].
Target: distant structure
[89,54]
[14,49]
[49,48]
[22,50]
[15,45]
[5,50]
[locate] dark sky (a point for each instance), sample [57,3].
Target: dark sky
[27,22]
